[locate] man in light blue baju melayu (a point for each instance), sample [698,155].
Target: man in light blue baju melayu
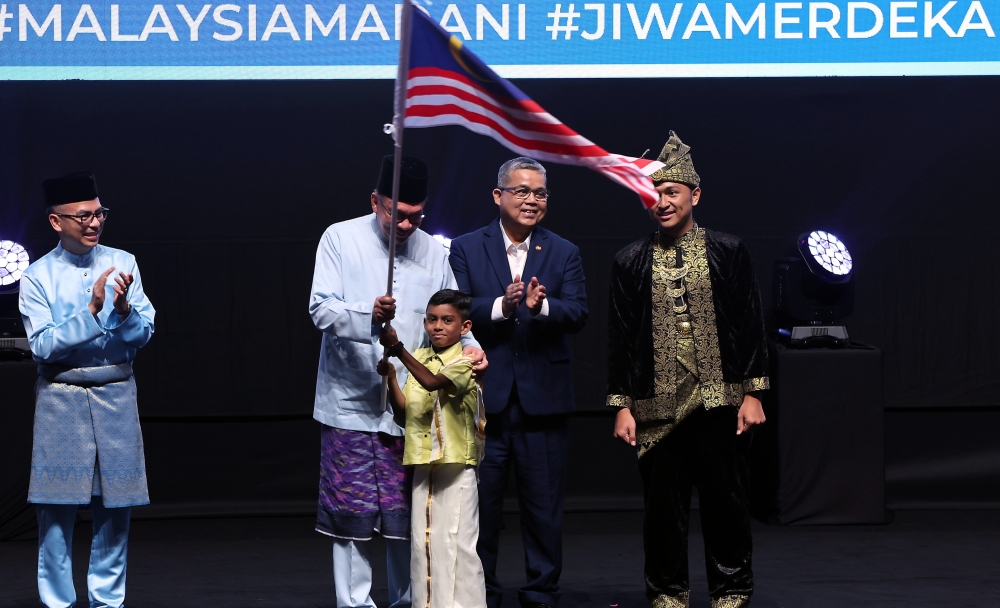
[86,316]
[364,489]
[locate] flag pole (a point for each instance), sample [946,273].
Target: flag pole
[398,116]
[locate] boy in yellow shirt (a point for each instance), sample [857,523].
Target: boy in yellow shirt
[444,426]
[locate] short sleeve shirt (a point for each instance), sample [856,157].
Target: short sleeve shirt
[456,413]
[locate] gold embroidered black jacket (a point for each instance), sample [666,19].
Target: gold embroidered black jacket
[726,318]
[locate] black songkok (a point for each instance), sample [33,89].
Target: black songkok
[412,180]
[72,188]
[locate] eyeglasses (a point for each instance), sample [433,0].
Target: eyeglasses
[415,218]
[87,216]
[522,192]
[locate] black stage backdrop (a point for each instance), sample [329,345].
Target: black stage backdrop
[222,190]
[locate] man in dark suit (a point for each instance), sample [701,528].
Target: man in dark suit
[528,292]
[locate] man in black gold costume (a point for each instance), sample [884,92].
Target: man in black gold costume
[687,360]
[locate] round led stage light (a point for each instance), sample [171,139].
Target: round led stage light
[813,290]
[14,259]
[827,256]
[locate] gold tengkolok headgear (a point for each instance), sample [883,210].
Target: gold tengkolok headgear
[676,155]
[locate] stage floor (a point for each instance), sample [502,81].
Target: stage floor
[924,558]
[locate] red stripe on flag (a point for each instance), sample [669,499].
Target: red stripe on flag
[447,103]
[521,104]
[524,116]
[528,125]
[635,181]
[530,144]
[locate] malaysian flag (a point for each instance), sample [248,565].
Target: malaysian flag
[447,85]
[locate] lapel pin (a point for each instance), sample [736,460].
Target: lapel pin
[538,247]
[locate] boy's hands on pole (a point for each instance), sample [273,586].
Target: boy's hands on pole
[387,337]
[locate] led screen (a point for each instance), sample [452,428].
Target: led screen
[297,40]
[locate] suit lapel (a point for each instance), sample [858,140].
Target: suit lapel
[538,249]
[497,254]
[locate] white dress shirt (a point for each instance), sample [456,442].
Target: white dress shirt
[517,256]
[352,265]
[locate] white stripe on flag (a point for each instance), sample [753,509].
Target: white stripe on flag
[516,112]
[501,119]
[628,171]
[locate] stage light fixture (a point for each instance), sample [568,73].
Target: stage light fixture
[827,256]
[814,285]
[14,259]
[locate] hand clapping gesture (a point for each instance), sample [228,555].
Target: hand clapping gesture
[535,297]
[533,300]
[512,296]
[123,282]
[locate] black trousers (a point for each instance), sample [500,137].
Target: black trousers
[701,451]
[537,447]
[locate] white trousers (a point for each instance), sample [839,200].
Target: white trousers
[445,571]
[352,572]
[108,554]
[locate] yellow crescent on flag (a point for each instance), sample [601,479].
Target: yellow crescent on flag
[455,46]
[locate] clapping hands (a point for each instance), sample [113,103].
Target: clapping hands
[533,299]
[122,283]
